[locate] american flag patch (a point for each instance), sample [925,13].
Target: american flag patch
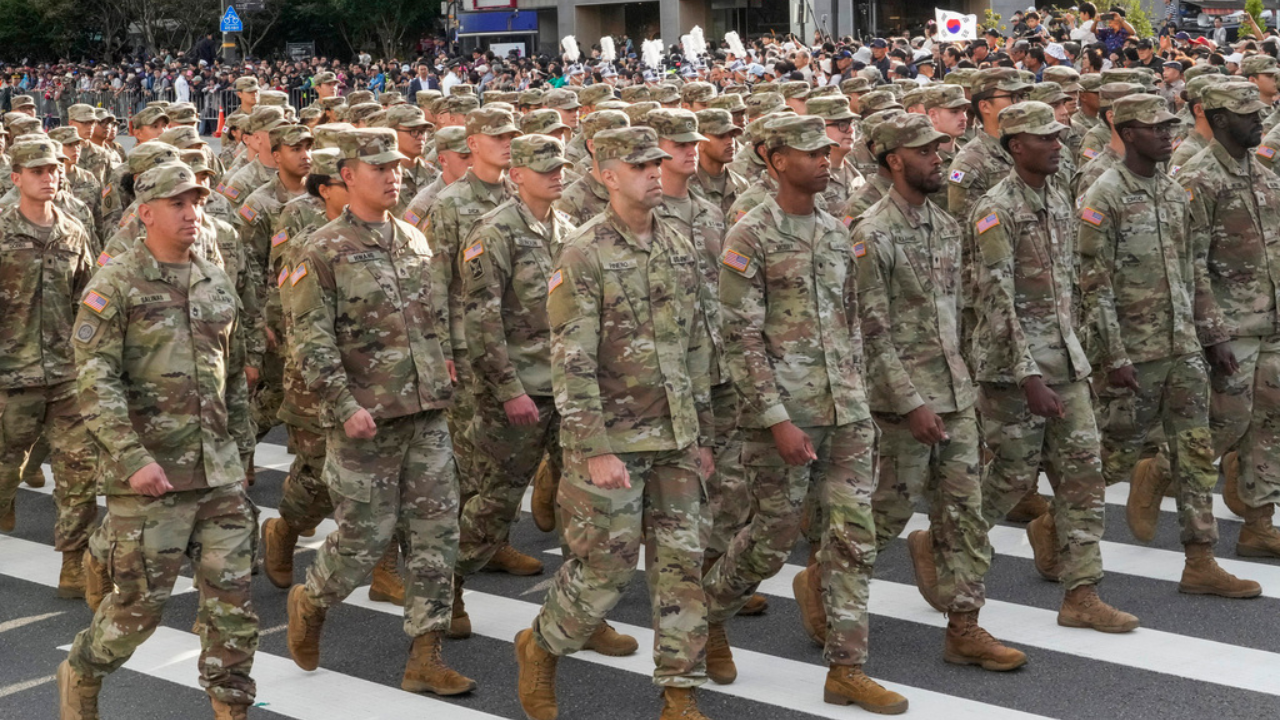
[106,190]
[473,252]
[280,238]
[103,259]
[1091,216]
[1190,195]
[741,214]
[1176,143]
[248,213]
[284,275]
[222,188]
[1266,152]
[411,217]
[859,249]
[1091,154]
[232,191]
[848,220]
[96,302]
[736,260]
[554,281]
[298,273]
[988,222]
[957,176]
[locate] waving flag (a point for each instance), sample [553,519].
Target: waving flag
[954,26]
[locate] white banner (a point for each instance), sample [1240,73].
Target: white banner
[953,26]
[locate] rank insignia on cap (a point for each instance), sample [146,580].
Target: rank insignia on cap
[473,252]
[988,222]
[1091,216]
[103,259]
[736,260]
[284,275]
[248,213]
[554,281]
[280,238]
[1091,154]
[96,302]
[1266,152]
[859,249]
[411,217]
[957,176]
[298,273]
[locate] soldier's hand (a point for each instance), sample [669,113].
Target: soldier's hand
[150,481]
[251,377]
[521,411]
[794,444]
[1041,400]
[926,427]
[360,426]
[608,473]
[272,342]
[1125,377]
[706,462]
[453,371]
[1222,358]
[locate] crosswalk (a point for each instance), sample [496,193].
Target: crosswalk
[1193,657]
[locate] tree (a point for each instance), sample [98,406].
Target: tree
[1254,8]
[1136,15]
[991,21]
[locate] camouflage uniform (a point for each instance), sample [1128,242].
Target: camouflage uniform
[779,282]
[629,362]
[452,139]
[587,196]
[720,191]
[93,158]
[162,381]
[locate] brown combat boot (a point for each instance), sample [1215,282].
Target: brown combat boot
[543,503]
[756,605]
[77,694]
[678,703]
[426,671]
[608,641]
[968,644]
[513,562]
[1230,467]
[33,475]
[71,578]
[1203,576]
[1043,535]
[460,623]
[807,588]
[536,681]
[278,542]
[1082,608]
[1258,537]
[8,518]
[920,547]
[386,585]
[305,623]
[227,711]
[720,667]
[1031,506]
[847,684]
[1146,489]
[97,581]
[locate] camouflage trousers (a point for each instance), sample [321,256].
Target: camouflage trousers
[1173,392]
[844,478]
[305,499]
[728,495]
[402,482]
[506,458]
[1244,415]
[461,414]
[146,540]
[1068,448]
[949,476]
[54,411]
[268,394]
[603,530]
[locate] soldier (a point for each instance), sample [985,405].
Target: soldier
[766,184]
[845,178]
[747,162]
[258,164]
[1200,135]
[733,103]
[411,129]
[455,161]
[248,93]
[947,109]
[1144,289]
[632,389]
[93,158]
[713,179]
[588,196]
[45,263]
[1051,94]
[786,266]
[148,123]
[875,186]
[157,344]
[388,460]
[565,102]
[1111,154]
[232,141]
[548,122]
[1261,70]
[920,392]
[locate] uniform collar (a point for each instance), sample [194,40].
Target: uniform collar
[151,269]
[1232,165]
[914,215]
[614,221]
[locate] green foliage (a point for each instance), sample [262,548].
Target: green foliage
[1135,14]
[22,33]
[990,19]
[1254,8]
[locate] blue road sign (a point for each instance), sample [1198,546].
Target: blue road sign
[231,21]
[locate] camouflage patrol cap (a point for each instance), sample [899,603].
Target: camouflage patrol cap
[829,108]
[197,161]
[1199,70]
[595,93]
[666,94]
[872,73]
[166,180]
[289,135]
[636,93]
[150,154]
[824,91]
[326,136]
[731,102]
[331,103]
[375,146]
[913,97]
[363,111]
[879,100]
[736,89]
[756,130]
[497,104]
[452,139]
[795,89]
[181,137]
[273,98]
[676,125]
[1090,82]
[763,103]
[424,98]
[507,98]
[1196,86]
[104,114]
[31,137]
[183,114]
[603,120]
[561,99]
[81,112]
[960,76]
[404,115]
[717,121]
[248,83]
[22,124]
[21,101]
[1240,98]
[263,118]
[1027,77]
[67,135]
[1259,65]
[541,121]
[439,106]
[390,97]
[612,105]
[539,153]
[700,92]
[36,153]
[894,89]
[909,130]
[1031,117]
[996,79]
[325,162]
[873,121]
[1062,74]
[237,121]
[1110,92]
[533,97]
[325,78]
[632,145]
[360,96]
[637,112]
[799,132]
[950,97]
[1048,92]
[462,89]
[1126,75]
[764,87]
[854,85]
[1142,108]
[490,121]
[307,114]
[162,104]
[461,104]
[149,115]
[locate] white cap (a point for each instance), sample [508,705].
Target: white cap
[1054,50]
[1234,58]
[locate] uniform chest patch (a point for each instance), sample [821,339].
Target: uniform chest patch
[859,249]
[1266,152]
[620,265]
[554,281]
[411,217]
[152,299]
[103,259]
[473,252]
[362,257]
[736,260]
[298,273]
[85,332]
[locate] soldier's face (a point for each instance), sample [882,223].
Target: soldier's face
[150,132]
[717,148]
[294,159]
[951,121]
[1061,113]
[922,167]
[841,133]
[454,164]
[374,188]
[684,157]
[1041,154]
[39,184]
[174,219]
[493,150]
[1246,129]
[1266,83]
[569,117]
[72,151]
[543,187]
[638,185]
[410,141]
[807,170]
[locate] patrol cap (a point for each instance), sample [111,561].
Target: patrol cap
[308,114]
[1198,70]
[104,114]
[539,153]
[1027,76]
[248,83]
[181,137]
[794,89]
[541,121]
[960,76]
[462,89]
[611,105]
[425,97]
[22,124]
[1064,75]
[799,132]
[325,161]
[1240,98]
[404,115]
[162,104]
[498,104]
[561,99]
[81,112]
[1259,65]
[764,87]
[461,104]
[375,146]
[1031,117]
[452,139]
[1110,92]
[166,180]
[196,160]
[150,154]
[850,86]
[183,114]
[763,103]
[263,118]
[1128,75]
[325,78]
[1048,92]
[68,135]
[700,92]
[878,100]
[825,91]
[331,103]
[736,90]
[676,125]
[996,79]
[909,130]
[756,132]
[603,120]
[290,135]
[273,98]
[666,94]
[21,101]
[1142,108]
[632,145]
[716,121]
[913,97]
[360,96]
[829,108]
[31,137]
[873,121]
[637,112]
[534,97]
[595,93]
[950,97]
[1196,86]
[731,102]
[326,136]
[490,121]
[149,115]
[390,97]
[636,93]
[36,153]
[361,111]
[506,98]
[1090,82]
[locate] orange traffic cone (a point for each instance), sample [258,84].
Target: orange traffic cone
[217,131]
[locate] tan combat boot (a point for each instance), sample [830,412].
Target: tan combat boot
[807,588]
[1231,484]
[1203,576]
[1146,489]
[77,694]
[8,517]
[227,711]
[1258,537]
[536,681]
[756,605]
[1043,535]
[968,644]
[513,562]
[386,585]
[278,542]
[33,475]
[608,641]
[305,622]
[920,547]
[678,703]
[460,623]
[1082,608]
[71,578]
[543,503]
[426,671]
[1031,506]
[847,684]
[97,581]
[720,667]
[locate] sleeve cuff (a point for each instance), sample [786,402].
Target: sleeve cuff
[912,402]
[773,415]
[134,460]
[346,406]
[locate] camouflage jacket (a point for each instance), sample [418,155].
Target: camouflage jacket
[1265,152]
[256,220]
[908,261]
[1106,159]
[244,181]
[584,199]
[1097,138]
[412,180]
[1235,231]
[420,206]
[86,188]
[301,406]
[95,160]
[217,205]
[845,180]
[40,284]
[505,266]
[1082,124]
[114,197]
[977,168]
[748,164]
[863,161]
[1138,274]
[1194,142]
[875,187]
[719,191]
[1026,284]
[707,233]
[629,352]
[791,327]
[162,373]
[67,202]
[576,149]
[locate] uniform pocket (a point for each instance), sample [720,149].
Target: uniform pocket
[126,559]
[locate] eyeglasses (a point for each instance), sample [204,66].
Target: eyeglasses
[416,134]
[841,125]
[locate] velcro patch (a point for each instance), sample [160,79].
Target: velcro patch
[232,192]
[988,222]
[473,252]
[736,260]
[957,176]
[298,273]
[554,281]
[96,302]
[1174,170]
[564,216]
[847,220]
[284,275]
[1266,152]
[248,213]
[411,217]
[1091,154]
[106,190]
[103,259]
[86,331]
[859,249]
[280,238]
[1093,217]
